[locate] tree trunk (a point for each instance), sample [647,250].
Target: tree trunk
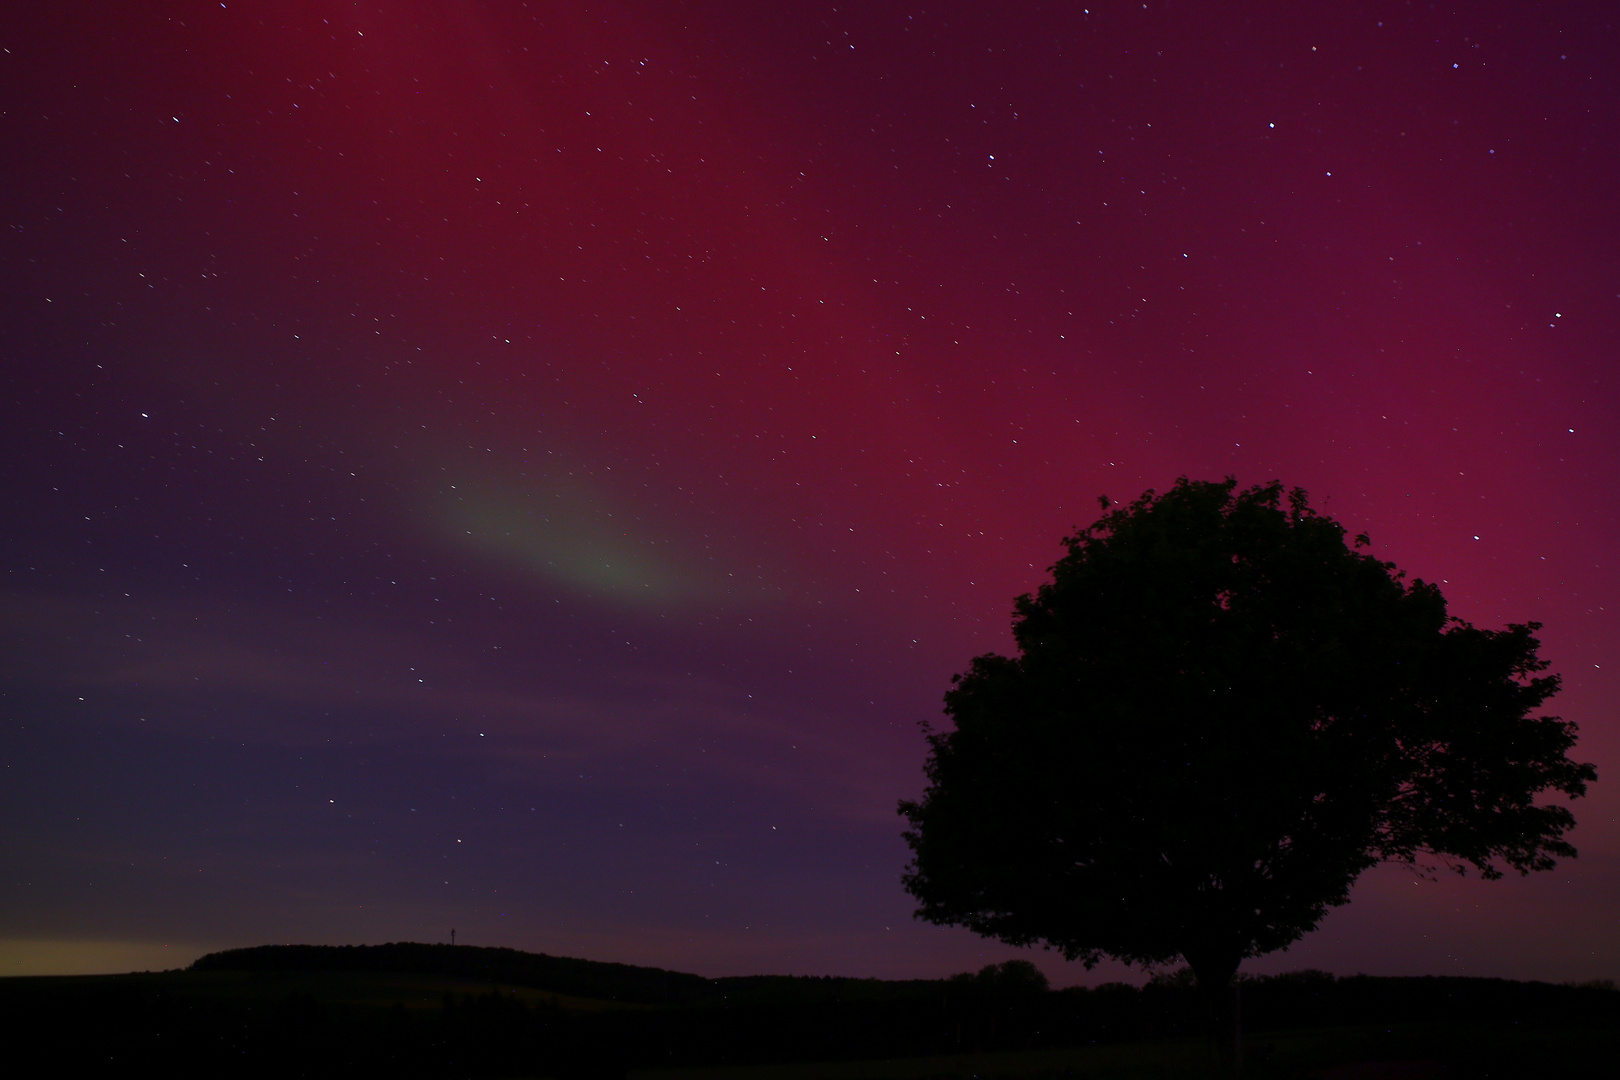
[1223,1017]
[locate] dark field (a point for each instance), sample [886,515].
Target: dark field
[440,1011]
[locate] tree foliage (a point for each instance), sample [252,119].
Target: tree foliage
[1219,715]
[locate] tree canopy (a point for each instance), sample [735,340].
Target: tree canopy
[1219,715]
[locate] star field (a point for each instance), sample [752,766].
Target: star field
[532,467]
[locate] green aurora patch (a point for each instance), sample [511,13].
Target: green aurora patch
[583,538]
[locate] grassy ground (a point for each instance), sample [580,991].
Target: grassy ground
[1416,1052]
[212,1005]
[351,989]
[1125,1062]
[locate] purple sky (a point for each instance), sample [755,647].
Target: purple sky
[532,467]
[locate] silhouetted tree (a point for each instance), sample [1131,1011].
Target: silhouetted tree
[1220,714]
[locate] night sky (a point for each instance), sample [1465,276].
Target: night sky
[533,467]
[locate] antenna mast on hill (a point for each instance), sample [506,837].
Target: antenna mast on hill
[452,935]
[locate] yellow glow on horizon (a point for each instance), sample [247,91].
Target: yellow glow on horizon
[45,956]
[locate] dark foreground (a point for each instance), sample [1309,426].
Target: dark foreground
[424,1011]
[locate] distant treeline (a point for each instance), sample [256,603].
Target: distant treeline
[560,974]
[300,1011]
